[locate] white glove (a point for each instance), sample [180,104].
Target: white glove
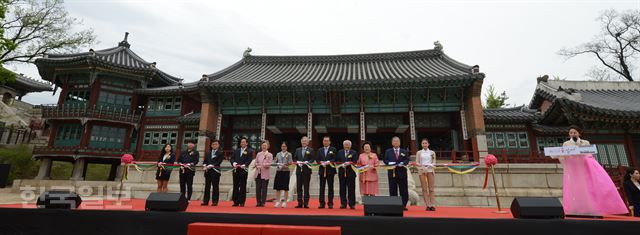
[160,164]
[391,163]
[243,166]
[235,164]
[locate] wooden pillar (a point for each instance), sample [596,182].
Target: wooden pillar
[113,172]
[94,84]
[475,121]
[86,134]
[632,150]
[533,143]
[53,131]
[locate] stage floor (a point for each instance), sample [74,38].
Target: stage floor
[225,207]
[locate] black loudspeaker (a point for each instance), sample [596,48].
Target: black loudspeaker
[166,202]
[537,208]
[4,174]
[59,199]
[382,206]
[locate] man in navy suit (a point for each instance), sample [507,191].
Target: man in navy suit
[189,159]
[240,160]
[302,156]
[326,173]
[212,159]
[347,176]
[396,156]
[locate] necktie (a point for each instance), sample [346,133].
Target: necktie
[396,154]
[325,151]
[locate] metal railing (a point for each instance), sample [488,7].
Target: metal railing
[85,111]
[76,150]
[15,136]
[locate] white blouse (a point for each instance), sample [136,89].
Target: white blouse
[426,159]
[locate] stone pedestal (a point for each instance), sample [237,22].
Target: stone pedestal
[78,169]
[45,169]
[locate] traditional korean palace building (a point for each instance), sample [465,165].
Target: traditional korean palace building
[114,102]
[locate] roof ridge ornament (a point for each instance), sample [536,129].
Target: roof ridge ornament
[246,52]
[543,78]
[475,69]
[437,46]
[124,42]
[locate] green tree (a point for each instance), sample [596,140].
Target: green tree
[5,44]
[493,100]
[616,47]
[31,28]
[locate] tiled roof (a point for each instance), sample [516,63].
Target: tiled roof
[395,69]
[602,98]
[120,57]
[29,84]
[545,129]
[190,118]
[519,114]
[180,88]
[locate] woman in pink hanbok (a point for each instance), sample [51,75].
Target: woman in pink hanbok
[368,178]
[587,188]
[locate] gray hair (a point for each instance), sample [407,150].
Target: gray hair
[346,142]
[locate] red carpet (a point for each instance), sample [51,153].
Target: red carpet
[225,207]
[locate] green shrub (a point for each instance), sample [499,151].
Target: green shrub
[22,166]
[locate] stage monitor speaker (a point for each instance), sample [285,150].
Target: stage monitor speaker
[4,174]
[58,199]
[382,206]
[166,202]
[537,208]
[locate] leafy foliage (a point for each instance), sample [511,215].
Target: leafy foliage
[493,100]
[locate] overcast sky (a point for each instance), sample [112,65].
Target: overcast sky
[513,42]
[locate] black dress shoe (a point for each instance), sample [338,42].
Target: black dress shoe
[204,203]
[234,205]
[352,207]
[405,209]
[433,208]
[330,206]
[298,206]
[242,205]
[343,207]
[321,207]
[214,204]
[306,206]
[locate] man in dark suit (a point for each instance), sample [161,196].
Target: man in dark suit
[325,156]
[396,156]
[241,159]
[346,175]
[189,158]
[212,160]
[302,156]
